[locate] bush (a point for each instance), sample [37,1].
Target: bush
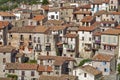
[15,77]
[84,61]
[118,68]
[33,61]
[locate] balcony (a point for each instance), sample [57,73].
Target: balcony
[97,41]
[70,50]
[87,49]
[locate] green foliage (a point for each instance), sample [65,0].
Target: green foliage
[32,61]
[15,77]
[118,68]
[15,3]
[45,2]
[84,61]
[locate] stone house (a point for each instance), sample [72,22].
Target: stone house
[81,12]
[113,5]
[60,65]
[71,45]
[87,72]
[24,71]
[105,63]
[110,42]
[66,13]
[54,14]
[7,55]
[87,21]
[7,16]
[37,20]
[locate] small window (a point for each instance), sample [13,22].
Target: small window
[89,39]
[104,63]
[83,38]
[105,70]
[32,73]
[4,60]
[85,74]
[4,53]
[71,39]
[23,73]
[3,70]
[82,32]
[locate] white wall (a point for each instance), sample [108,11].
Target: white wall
[80,74]
[55,14]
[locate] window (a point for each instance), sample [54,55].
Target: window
[30,37]
[111,2]
[57,67]
[85,74]
[4,60]
[105,70]
[52,16]
[83,38]
[104,63]
[57,72]
[23,73]
[21,37]
[4,53]
[10,36]
[55,12]
[38,39]
[32,73]
[3,70]
[89,39]
[48,48]
[40,73]
[34,39]
[48,73]
[57,17]
[82,32]
[71,39]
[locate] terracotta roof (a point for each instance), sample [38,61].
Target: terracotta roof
[45,68]
[87,28]
[21,66]
[62,77]
[26,29]
[87,6]
[6,14]
[91,70]
[102,57]
[4,78]
[82,12]
[58,59]
[40,29]
[115,13]
[45,7]
[3,24]
[118,27]
[111,32]
[108,22]
[39,17]
[68,7]
[7,49]
[87,19]
[55,22]
[99,13]
[98,33]
[69,35]
[56,28]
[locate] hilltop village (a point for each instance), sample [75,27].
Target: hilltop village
[60,40]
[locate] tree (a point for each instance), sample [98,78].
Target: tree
[84,61]
[45,2]
[118,69]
